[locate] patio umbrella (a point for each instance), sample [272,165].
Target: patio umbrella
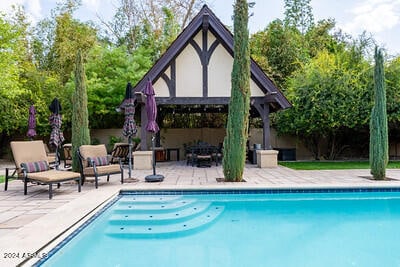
[129,128]
[56,135]
[152,127]
[31,122]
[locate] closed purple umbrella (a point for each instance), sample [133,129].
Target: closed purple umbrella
[56,135]
[151,108]
[128,106]
[31,122]
[152,127]
[129,128]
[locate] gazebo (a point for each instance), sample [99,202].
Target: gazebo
[196,70]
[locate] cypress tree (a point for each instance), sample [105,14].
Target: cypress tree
[239,106]
[80,117]
[378,151]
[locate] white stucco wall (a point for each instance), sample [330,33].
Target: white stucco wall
[255,90]
[189,74]
[161,87]
[219,73]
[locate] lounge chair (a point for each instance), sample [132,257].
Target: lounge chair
[95,162]
[32,166]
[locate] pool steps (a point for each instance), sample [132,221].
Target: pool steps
[157,218]
[153,207]
[160,218]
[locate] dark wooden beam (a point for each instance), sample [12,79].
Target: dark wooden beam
[201,100]
[143,132]
[188,109]
[172,90]
[192,100]
[263,109]
[171,80]
[212,49]
[204,56]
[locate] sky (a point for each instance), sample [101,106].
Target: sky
[380,18]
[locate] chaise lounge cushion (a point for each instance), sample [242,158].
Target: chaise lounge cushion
[53,176]
[102,170]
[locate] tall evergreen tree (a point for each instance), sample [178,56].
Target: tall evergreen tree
[80,118]
[378,151]
[239,106]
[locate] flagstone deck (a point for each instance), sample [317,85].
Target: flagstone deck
[27,223]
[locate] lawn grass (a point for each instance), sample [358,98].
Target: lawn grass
[333,165]
[2,179]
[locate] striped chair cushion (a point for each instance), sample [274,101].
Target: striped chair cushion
[99,161]
[37,166]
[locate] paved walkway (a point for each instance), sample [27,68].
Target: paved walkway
[28,223]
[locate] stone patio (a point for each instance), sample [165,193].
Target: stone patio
[28,223]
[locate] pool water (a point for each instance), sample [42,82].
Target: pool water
[295,229]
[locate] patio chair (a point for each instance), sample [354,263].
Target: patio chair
[217,154]
[67,149]
[31,165]
[94,162]
[189,154]
[120,152]
[203,155]
[51,156]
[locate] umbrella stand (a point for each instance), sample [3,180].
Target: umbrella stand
[130,179]
[130,156]
[154,177]
[57,159]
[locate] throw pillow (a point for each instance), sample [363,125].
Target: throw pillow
[99,161]
[37,166]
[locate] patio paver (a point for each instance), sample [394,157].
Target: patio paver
[27,223]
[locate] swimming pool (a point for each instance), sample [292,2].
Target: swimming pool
[239,228]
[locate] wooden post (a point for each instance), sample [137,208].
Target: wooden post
[263,110]
[143,132]
[266,128]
